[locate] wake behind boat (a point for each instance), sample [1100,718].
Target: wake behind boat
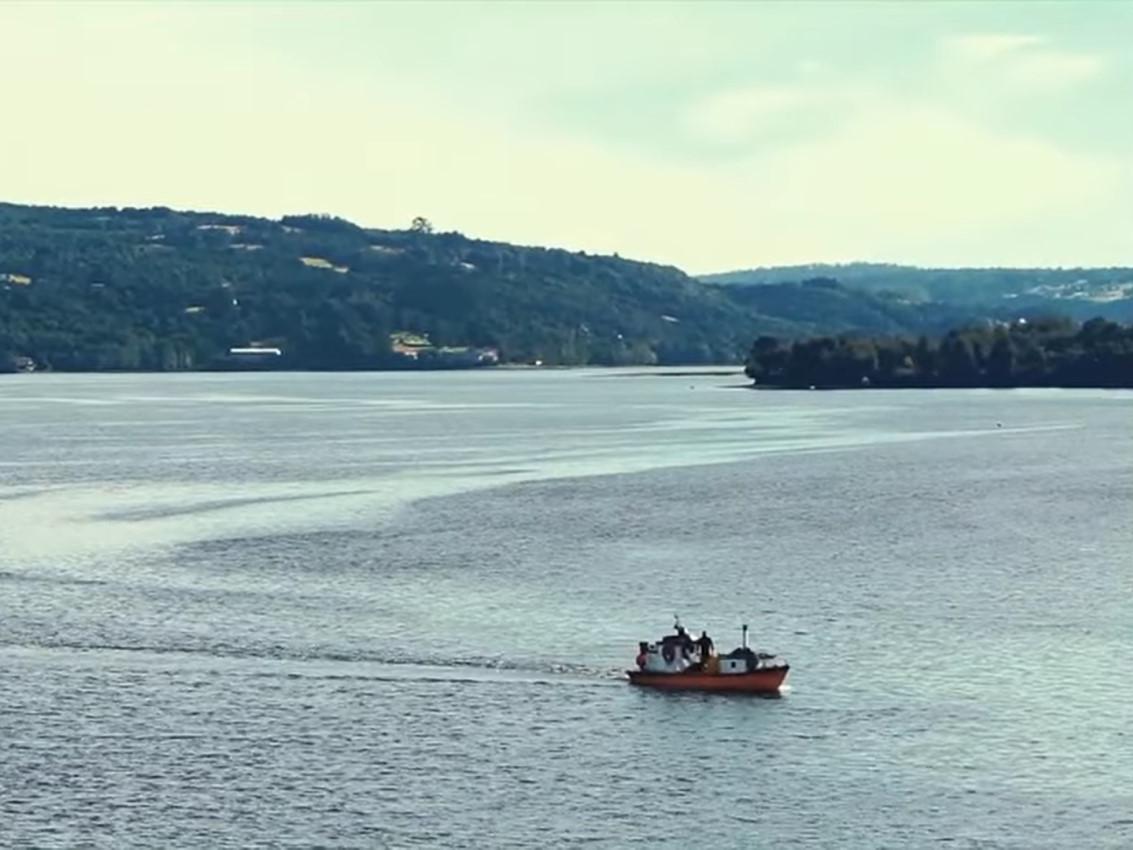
[678,662]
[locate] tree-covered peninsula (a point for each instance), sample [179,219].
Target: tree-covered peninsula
[1037,353]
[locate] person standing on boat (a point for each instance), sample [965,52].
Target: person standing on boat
[685,641]
[705,645]
[682,639]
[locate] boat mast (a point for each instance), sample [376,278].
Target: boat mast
[745,636]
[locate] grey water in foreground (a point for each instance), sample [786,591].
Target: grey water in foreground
[377,610]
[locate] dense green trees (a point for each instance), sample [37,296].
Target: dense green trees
[1050,352]
[158,289]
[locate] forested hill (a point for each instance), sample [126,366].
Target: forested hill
[158,289]
[110,288]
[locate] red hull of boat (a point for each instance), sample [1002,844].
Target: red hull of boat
[756,682]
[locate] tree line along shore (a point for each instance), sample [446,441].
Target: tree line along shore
[1052,352]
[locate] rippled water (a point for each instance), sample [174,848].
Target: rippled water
[391,610]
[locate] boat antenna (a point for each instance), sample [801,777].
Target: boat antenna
[745,635]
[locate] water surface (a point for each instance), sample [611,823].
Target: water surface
[391,610]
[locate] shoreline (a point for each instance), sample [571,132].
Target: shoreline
[642,371]
[844,388]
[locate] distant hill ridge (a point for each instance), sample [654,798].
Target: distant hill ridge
[1077,292]
[155,288]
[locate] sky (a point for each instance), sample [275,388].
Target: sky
[708,136]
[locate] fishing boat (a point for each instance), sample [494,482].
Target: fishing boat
[678,662]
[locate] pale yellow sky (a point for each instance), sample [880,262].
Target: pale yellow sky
[709,136]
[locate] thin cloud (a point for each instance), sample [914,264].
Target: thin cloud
[736,115]
[985,46]
[1050,70]
[1021,62]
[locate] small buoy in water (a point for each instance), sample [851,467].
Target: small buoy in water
[998,424]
